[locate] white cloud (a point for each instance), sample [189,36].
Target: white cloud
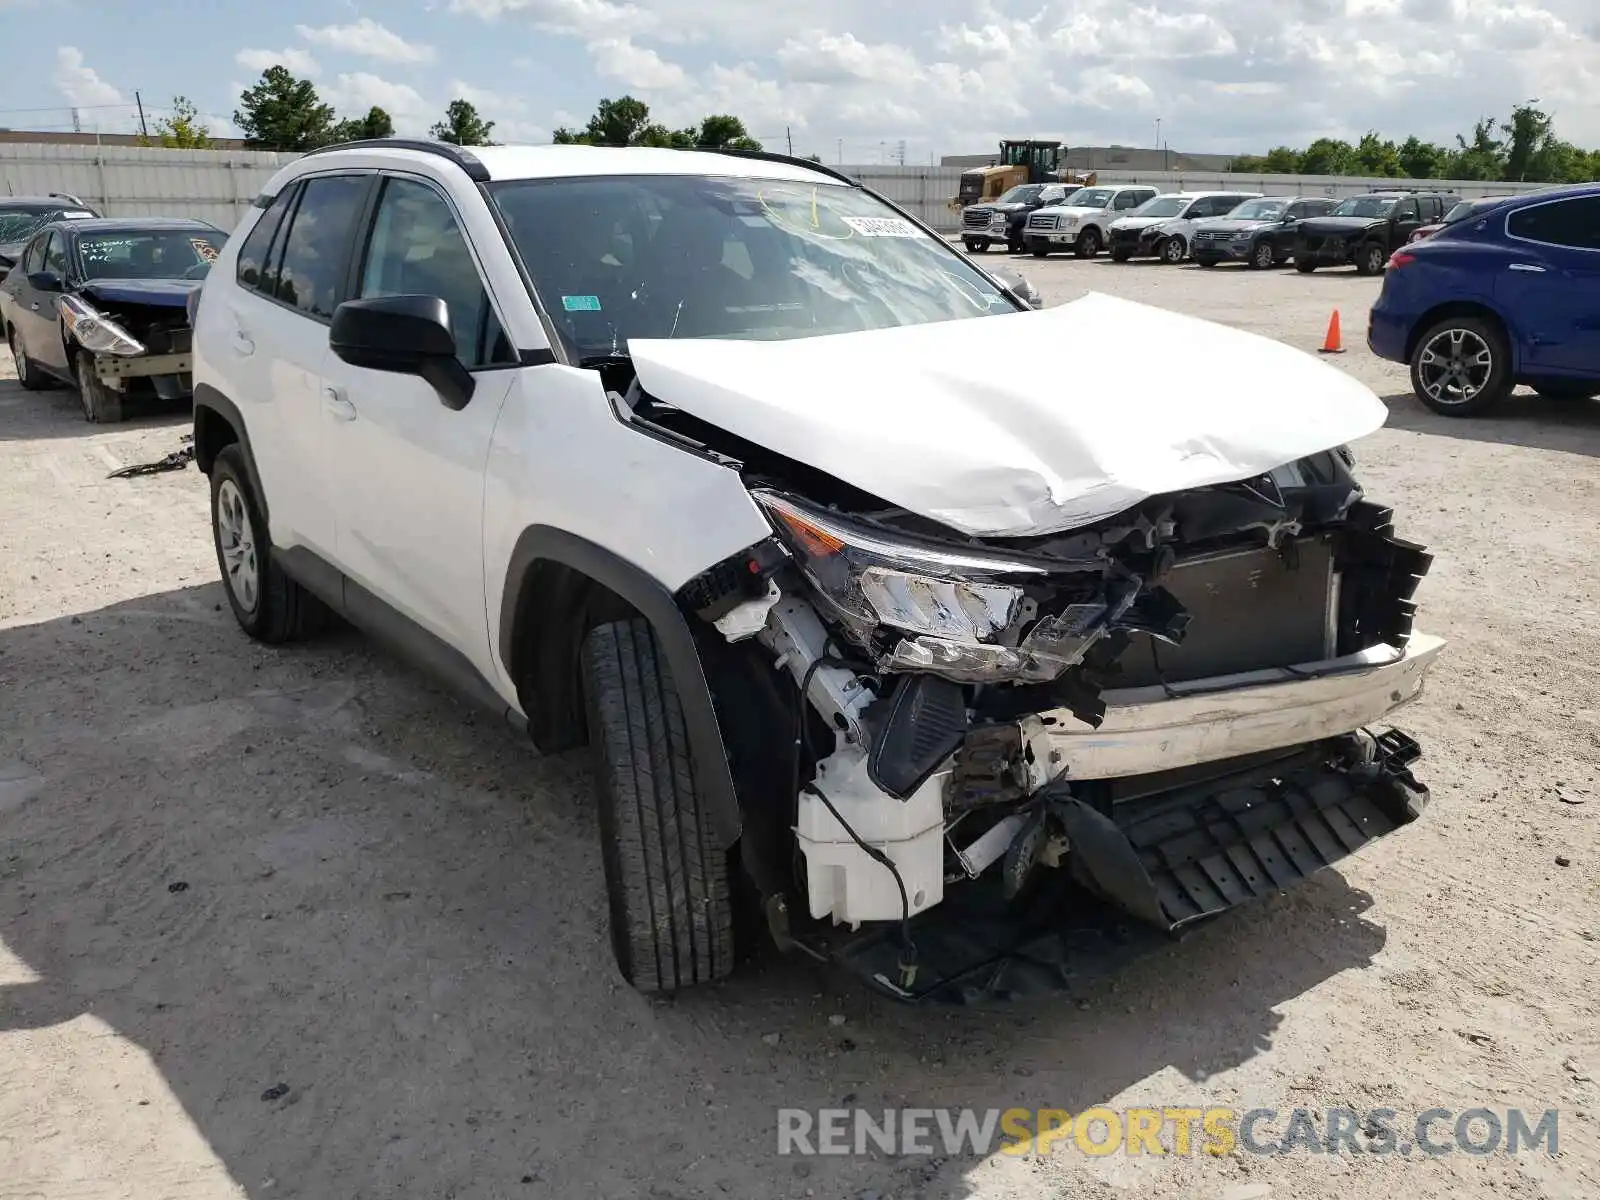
[1224,75]
[298,62]
[81,84]
[638,66]
[354,93]
[366,37]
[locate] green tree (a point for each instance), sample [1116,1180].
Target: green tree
[1528,134]
[283,113]
[1420,159]
[1328,156]
[722,130]
[1374,156]
[462,126]
[376,124]
[183,130]
[626,121]
[1281,160]
[1481,158]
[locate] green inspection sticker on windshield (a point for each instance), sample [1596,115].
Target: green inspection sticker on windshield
[581,303]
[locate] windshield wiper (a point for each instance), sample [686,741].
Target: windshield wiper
[611,358]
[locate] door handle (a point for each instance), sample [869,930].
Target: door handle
[1529,267]
[335,401]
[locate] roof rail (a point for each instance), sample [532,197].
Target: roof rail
[467,161]
[774,156]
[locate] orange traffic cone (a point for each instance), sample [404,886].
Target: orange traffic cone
[1333,343]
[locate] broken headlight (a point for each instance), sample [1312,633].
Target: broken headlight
[95,331]
[960,612]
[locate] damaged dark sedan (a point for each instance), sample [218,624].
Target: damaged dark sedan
[101,305]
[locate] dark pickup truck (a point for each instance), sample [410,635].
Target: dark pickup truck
[1002,220]
[1364,230]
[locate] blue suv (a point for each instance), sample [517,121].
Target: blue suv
[1509,296]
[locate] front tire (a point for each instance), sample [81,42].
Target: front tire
[1370,259]
[1263,257]
[1305,265]
[1088,243]
[979,245]
[1461,367]
[28,373]
[268,605]
[101,405]
[667,881]
[1120,256]
[1208,261]
[1173,251]
[1040,249]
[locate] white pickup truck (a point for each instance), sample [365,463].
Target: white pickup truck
[1081,223]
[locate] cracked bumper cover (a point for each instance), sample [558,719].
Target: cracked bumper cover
[1158,729]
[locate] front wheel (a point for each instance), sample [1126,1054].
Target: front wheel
[1304,265]
[101,405]
[1461,367]
[1088,243]
[978,245]
[1370,259]
[1263,256]
[1120,256]
[1207,262]
[1173,250]
[1039,249]
[667,880]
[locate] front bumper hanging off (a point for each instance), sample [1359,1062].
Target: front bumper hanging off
[1150,869]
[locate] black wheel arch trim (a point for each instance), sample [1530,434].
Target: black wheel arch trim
[208,399]
[651,599]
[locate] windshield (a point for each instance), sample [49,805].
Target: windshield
[673,256]
[153,254]
[1161,206]
[16,224]
[1023,193]
[1363,206]
[1259,210]
[1091,198]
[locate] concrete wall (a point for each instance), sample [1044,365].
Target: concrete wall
[218,186]
[132,181]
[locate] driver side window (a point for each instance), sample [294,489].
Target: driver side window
[55,255]
[1406,211]
[417,248]
[33,260]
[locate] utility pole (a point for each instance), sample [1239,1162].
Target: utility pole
[788,137]
[77,123]
[143,129]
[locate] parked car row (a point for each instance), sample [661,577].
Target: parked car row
[1210,228]
[100,304]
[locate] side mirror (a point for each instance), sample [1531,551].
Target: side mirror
[46,281]
[405,335]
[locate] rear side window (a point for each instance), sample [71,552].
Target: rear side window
[257,248]
[316,248]
[1574,223]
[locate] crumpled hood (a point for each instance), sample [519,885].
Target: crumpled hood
[162,293]
[928,417]
[1325,226]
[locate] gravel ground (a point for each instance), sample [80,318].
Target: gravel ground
[290,923]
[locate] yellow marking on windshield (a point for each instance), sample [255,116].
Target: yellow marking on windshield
[815,224]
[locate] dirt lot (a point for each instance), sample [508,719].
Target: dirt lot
[292,924]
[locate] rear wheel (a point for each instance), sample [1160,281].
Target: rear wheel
[667,881]
[101,405]
[1088,243]
[1461,367]
[28,374]
[1263,256]
[1174,250]
[268,605]
[1370,259]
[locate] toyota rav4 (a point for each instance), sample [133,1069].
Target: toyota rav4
[701,459]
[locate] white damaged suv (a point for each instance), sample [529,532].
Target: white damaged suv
[701,459]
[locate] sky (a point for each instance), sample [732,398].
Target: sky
[850,81]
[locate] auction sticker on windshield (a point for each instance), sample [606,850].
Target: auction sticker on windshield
[882,226]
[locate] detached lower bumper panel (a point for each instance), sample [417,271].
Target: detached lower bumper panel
[1142,876]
